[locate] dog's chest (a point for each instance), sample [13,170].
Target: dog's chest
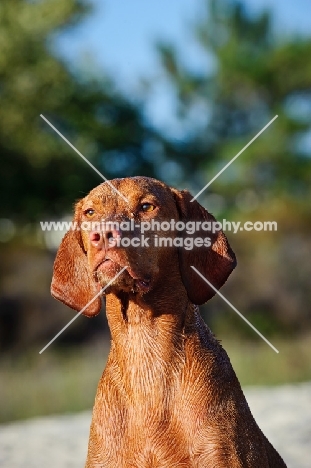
[144,440]
[153,426]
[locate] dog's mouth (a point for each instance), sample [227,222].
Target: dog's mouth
[108,268]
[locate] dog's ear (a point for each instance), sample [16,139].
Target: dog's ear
[72,282]
[215,262]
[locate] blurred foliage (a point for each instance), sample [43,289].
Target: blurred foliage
[250,76]
[40,173]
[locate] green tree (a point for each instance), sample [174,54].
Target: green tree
[252,75]
[40,174]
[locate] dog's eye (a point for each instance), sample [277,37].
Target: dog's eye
[146,207]
[89,212]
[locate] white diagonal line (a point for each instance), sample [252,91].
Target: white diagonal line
[235,310]
[84,158]
[235,157]
[82,310]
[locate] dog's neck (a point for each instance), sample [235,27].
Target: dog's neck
[164,308]
[148,338]
[134,313]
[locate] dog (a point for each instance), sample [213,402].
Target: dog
[168,397]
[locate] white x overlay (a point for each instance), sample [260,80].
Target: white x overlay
[196,196]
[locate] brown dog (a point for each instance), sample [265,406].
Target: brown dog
[168,396]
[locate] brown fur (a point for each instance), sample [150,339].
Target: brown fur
[168,397]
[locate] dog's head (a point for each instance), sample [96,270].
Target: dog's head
[151,229]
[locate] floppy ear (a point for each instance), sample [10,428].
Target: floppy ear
[72,282]
[215,263]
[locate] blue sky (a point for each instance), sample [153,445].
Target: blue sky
[119,37]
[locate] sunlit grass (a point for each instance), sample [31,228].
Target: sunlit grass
[54,382]
[255,363]
[66,380]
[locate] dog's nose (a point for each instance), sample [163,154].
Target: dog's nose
[105,239]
